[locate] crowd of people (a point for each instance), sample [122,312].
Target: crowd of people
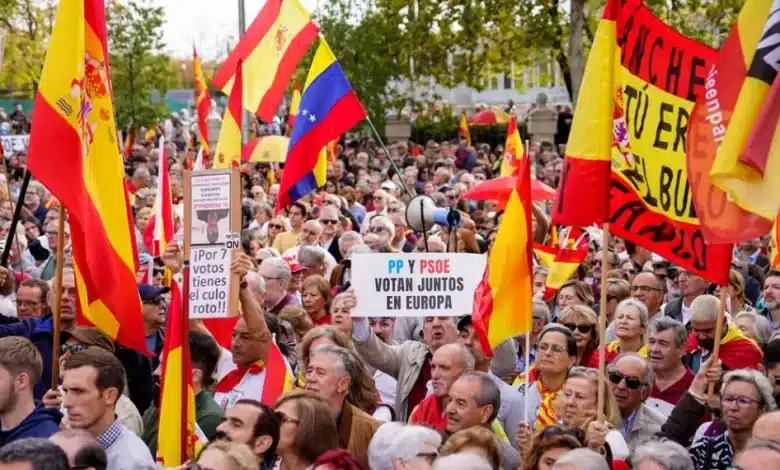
[382,392]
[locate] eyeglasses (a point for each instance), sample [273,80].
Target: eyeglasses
[329,221]
[544,347]
[584,328]
[644,289]
[27,303]
[276,226]
[632,383]
[155,301]
[287,419]
[73,348]
[740,400]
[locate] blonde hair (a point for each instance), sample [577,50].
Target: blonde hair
[298,318]
[240,456]
[475,436]
[611,410]
[581,313]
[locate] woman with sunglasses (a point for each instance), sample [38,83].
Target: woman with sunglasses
[549,444]
[224,455]
[276,226]
[307,430]
[582,321]
[631,320]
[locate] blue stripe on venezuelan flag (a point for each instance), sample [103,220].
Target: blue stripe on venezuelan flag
[329,107]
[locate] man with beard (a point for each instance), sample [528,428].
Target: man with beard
[691,286]
[254,424]
[736,351]
[204,354]
[772,298]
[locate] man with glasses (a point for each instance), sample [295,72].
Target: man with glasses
[630,379]
[400,242]
[154,309]
[647,288]
[329,219]
[380,200]
[31,299]
[49,267]
[382,227]
[311,235]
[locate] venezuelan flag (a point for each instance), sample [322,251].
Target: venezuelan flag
[202,101]
[464,128]
[228,152]
[74,152]
[329,108]
[503,300]
[159,230]
[177,443]
[513,149]
[271,48]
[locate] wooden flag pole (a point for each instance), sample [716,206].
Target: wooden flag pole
[603,322]
[55,350]
[718,334]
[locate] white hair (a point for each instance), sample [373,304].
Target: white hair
[705,308]
[350,236]
[398,440]
[276,268]
[640,307]
[755,378]
[761,326]
[385,223]
[256,283]
[668,454]
[581,459]
[464,461]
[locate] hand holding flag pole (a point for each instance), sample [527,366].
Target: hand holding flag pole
[718,335]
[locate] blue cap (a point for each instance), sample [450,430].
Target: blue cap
[148,292]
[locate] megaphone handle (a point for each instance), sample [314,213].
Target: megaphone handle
[422,221]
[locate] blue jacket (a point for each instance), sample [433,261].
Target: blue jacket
[42,422]
[39,331]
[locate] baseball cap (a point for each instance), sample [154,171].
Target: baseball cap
[148,292]
[464,321]
[89,336]
[295,266]
[388,186]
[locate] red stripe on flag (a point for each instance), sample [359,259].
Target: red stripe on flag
[573,207]
[275,374]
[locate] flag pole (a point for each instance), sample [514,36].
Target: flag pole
[603,323]
[718,335]
[55,350]
[527,354]
[392,163]
[16,217]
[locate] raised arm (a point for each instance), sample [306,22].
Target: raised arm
[251,310]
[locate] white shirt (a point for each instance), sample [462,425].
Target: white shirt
[386,386]
[250,386]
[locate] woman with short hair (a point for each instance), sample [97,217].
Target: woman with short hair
[307,431]
[631,320]
[583,323]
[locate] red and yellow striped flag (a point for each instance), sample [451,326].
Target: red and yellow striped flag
[271,48]
[513,149]
[228,152]
[774,252]
[129,141]
[503,300]
[159,229]
[74,152]
[565,264]
[295,103]
[202,101]
[463,130]
[177,439]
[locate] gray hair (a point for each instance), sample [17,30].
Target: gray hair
[466,358]
[649,377]
[639,306]
[668,454]
[541,310]
[398,440]
[754,378]
[385,223]
[310,256]
[660,324]
[705,308]
[761,326]
[358,249]
[277,268]
[488,393]
[581,459]
[350,236]
[41,454]
[464,461]
[257,207]
[346,359]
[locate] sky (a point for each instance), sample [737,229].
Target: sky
[210,24]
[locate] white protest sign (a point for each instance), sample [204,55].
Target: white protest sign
[13,144]
[212,232]
[415,284]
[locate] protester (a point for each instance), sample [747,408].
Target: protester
[223,455]
[317,299]
[33,454]
[583,323]
[474,440]
[254,424]
[307,430]
[549,444]
[666,347]
[663,455]
[82,449]
[395,444]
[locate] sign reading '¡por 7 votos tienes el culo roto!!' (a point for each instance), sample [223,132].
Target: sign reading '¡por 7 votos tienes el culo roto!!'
[415,284]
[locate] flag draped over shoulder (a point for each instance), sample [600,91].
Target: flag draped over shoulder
[202,101]
[177,438]
[73,151]
[159,229]
[625,161]
[228,152]
[463,129]
[271,48]
[513,149]
[734,138]
[329,108]
[503,299]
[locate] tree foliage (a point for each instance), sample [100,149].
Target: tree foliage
[141,73]
[28,24]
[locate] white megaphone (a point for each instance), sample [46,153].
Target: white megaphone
[422,214]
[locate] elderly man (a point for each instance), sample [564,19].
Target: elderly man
[647,288]
[772,298]
[381,199]
[31,299]
[665,350]
[736,351]
[630,379]
[448,363]
[400,242]
[311,234]
[276,274]
[329,219]
[331,372]
[767,427]
[81,447]
[661,455]
[758,456]
[347,240]
[475,401]
[384,329]
[385,230]
[691,287]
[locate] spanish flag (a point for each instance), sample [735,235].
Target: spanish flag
[503,300]
[747,165]
[737,351]
[329,108]
[129,140]
[513,149]
[177,440]
[159,230]
[545,255]
[774,254]
[74,152]
[565,264]
[271,48]
[464,128]
[202,101]
[228,153]
[295,104]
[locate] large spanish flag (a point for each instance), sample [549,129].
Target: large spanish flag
[74,152]
[177,440]
[271,48]
[503,300]
[513,149]
[463,129]
[202,101]
[228,152]
[159,230]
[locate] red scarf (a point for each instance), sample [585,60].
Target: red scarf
[429,413]
[234,377]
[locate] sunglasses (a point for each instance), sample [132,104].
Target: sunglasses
[329,222]
[276,226]
[584,328]
[632,383]
[73,348]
